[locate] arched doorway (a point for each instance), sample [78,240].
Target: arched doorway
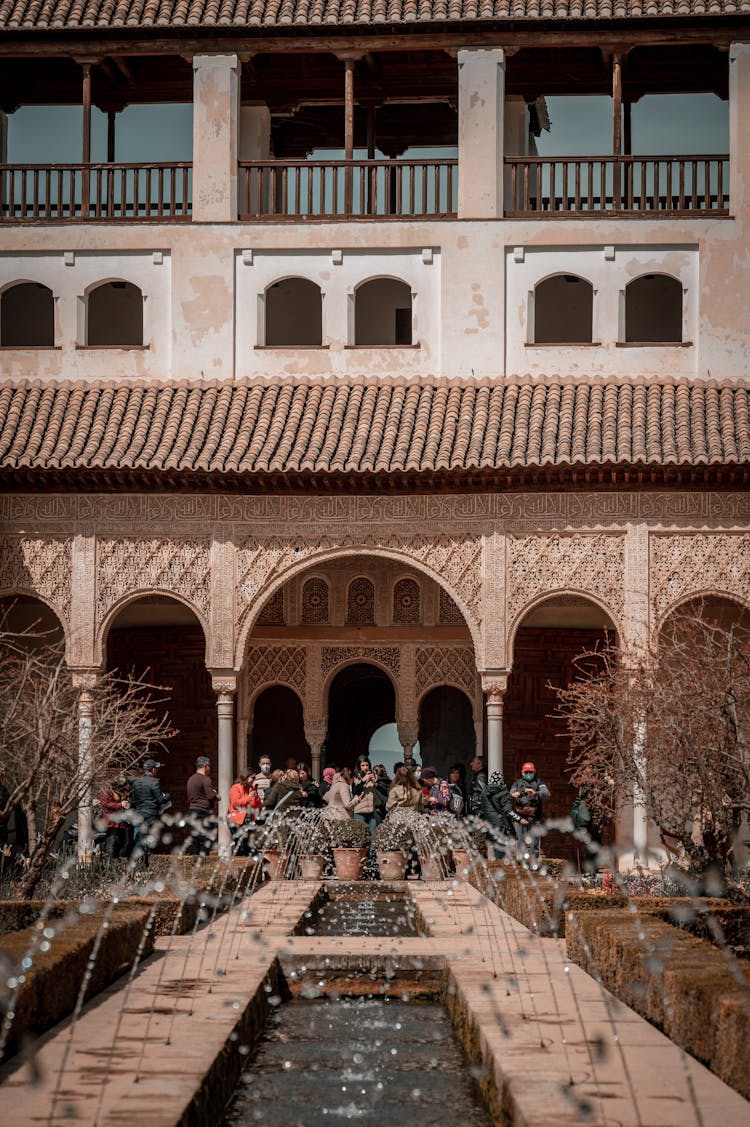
[161,640]
[278,728]
[361,698]
[446,729]
[547,643]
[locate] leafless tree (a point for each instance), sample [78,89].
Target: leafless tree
[46,769]
[670,729]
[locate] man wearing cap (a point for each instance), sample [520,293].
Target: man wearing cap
[147,800]
[527,794]
[202,799]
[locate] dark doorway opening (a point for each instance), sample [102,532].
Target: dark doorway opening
[278,728]
[446,729]
[360,700]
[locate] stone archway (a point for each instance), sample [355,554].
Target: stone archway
[278,728]
[361,699]
[546,643]
[161,639]
[446,728]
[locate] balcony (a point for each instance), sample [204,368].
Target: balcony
[618,186]
[343,189]
[88,192]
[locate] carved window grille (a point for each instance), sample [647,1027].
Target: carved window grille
[406,604]
[315,602]
[360,603]
[272,613]
[448,612]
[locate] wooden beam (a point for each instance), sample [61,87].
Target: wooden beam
[124,68]
[86,102]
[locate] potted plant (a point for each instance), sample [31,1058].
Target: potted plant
[393,840]
[468,849]
[273,845]
[436,836]
[350,840]
[311,841]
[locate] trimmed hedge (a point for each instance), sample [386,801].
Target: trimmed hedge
[683,985]
[50,988]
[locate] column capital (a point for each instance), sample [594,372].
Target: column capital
[85,679]
[223,684]
[494,686]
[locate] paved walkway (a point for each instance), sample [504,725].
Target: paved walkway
[561,1049]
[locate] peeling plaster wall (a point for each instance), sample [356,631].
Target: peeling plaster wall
[201,310]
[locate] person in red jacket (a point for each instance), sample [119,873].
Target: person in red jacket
[244,800]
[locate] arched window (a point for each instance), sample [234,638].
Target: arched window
[27,316]
[360,603]
[406,602]
[653,310]
[563,310]
[382,313]
[114,315]
[315,601]
[294,313]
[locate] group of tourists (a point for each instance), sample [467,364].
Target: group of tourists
[131,814]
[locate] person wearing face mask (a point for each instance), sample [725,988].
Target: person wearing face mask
[526,795]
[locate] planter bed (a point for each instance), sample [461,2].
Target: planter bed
[50,989]
[699,999]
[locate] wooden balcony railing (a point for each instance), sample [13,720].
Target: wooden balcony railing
[95,191]
[628,185]
[372,189]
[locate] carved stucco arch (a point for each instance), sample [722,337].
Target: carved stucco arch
[550,596]
[17,591]
[104,626]
[290,568]
[696,597]
[367,658]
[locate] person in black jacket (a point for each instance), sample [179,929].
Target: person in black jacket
[497,809]
[147,800]
[477,785]
[310,787]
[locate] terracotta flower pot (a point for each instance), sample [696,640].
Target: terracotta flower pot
[392,864]
[275,863]
[462,861]
[350,863]
[311,866]
[433,868]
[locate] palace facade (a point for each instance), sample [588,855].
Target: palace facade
[331,442]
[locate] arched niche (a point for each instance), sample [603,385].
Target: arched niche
[383,313]
[162,640]
[683,622]
[361,699]
[27,316]
[653,310]
[277,728]
[547,642]
[360,602]
[33,622]
[114,315]
[446,728]
[563,310]
[293,314]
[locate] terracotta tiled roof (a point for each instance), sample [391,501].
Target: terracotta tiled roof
[359,426]
[62,14]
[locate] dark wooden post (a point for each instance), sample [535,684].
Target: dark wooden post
[617,128]
[111,115]
[348,131]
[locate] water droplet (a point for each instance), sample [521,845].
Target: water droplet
[274,1000]
[416,1093]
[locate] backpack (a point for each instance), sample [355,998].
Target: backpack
[456,804]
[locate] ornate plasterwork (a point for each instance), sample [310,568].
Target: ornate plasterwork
[454,556]
[277,514]
[543,564]
[179,564]
[448,612]
[407,603]
[445,665]
[272,613]
[42,564]
[333,656]
[315,602]
[276,665]
[698,563]
[360,602]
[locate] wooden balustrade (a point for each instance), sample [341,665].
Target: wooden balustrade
[628,185]
[374,189]
[95,191]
